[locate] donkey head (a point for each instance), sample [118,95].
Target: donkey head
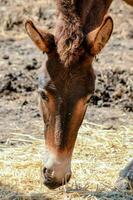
[64,94]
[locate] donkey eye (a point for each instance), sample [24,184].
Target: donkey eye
[43,95]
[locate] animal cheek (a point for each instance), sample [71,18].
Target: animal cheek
[78,113]
[43,109]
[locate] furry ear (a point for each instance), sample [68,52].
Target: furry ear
[43,40]
[97,38]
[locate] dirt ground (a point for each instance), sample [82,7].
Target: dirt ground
[112,103]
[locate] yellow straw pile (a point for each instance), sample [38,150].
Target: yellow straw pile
[98,157]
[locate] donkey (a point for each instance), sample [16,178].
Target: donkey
[66,78]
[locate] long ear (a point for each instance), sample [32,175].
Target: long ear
[100,36]
[43,40]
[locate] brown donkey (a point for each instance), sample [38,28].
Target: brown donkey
[67,79]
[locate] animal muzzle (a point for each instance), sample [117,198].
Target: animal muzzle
[57,172]
[53,182]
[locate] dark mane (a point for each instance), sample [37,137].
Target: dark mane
[71,35]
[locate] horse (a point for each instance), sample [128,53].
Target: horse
[67,78]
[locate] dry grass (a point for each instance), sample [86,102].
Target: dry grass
[98,157]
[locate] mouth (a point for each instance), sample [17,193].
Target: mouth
[53,183]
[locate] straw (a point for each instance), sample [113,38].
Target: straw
[98,157]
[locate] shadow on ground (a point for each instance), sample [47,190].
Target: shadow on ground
[10,193]
[102,195]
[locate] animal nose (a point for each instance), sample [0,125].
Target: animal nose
[51,182]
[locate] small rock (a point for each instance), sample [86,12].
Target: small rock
[106,104]
[5,57]
[9,63]
[128,106]
[24,103]
[118,92]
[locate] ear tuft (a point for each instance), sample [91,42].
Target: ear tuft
[100,36]
[40,37]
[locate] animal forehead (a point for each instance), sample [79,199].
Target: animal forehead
[70,87]
[67,93]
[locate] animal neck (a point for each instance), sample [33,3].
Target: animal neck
[92,13]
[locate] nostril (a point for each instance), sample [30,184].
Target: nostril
[47,171]
[48,175]
[44,170]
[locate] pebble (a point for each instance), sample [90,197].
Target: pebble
[5,57]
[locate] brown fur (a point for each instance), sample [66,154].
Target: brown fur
[69,44]
[78,17]
[64,92]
